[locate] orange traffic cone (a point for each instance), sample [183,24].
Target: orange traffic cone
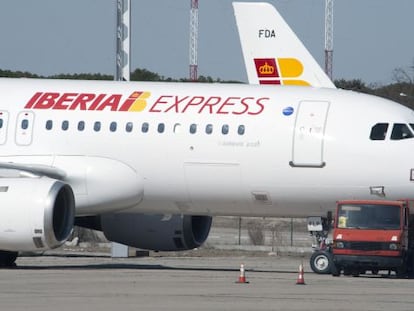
[301,279]
[242,277]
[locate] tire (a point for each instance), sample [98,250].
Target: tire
[7,259]
[321,262]
[401,272]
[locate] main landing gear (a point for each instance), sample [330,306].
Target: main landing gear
[8,259]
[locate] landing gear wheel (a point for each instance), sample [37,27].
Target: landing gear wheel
[7,259]
[321,262]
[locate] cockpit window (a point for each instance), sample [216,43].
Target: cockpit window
[401,131]
[379,131]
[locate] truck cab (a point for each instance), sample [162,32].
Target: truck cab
[372,236]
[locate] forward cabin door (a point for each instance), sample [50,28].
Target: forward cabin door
[309,134]
[24,128]
[4,125]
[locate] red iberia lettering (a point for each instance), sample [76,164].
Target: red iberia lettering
[44,101]
[138,101]
[210,102]
[33,100]
[80,103]
[260,105]
[230,101]
[176,103]
[65,98]
[162,100]
[96,101]
[112,102]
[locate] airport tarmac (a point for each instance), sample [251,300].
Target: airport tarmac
[97,282]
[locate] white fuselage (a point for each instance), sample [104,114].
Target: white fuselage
[207,149]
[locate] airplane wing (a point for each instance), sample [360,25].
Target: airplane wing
[31,170]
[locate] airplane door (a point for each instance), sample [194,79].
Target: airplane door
[309,133]
[4,122]
[24,128]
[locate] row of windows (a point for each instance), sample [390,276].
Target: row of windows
[399,131]
[378,131]
[145,127]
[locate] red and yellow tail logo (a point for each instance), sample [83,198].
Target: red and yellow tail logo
[283,71]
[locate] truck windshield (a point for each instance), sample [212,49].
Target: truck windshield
[369,216]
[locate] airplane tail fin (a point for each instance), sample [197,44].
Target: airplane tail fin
[272,52]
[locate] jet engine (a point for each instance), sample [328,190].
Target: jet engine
[157,232]
[36,213]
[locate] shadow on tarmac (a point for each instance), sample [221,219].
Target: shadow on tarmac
[124,266]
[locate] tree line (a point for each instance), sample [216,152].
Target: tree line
[137,75]
[401,90]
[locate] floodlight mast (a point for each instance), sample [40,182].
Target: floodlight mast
[193,40]
[123,40]
[329,37]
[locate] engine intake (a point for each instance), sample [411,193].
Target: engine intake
[36,213]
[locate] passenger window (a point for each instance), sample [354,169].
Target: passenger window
[49,124]
[225,129]
[97,126]
[379,131]
[1,123]
[177,128]
[241,130]
[161,128]
[25,124]
[145,127]
[81,126]
[401,131]
[209,129]
[193,128]
[128,127]
[65,125]
[112,126]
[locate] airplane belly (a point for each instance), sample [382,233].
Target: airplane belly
[214,183]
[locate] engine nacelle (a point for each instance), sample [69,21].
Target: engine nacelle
[35,213]
[157,232]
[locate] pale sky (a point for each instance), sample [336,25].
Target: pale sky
[46,37]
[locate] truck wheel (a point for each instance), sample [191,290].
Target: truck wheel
[336,272]
[401,272]
[321,262]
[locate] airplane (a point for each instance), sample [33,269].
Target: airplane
[272,52]
[150,164]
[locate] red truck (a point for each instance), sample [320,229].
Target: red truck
[372,236]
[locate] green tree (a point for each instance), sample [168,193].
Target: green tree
[17,74]
[353,85]
[82,76]
[145,75]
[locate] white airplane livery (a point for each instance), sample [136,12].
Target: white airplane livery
[149,164]
[272,53]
